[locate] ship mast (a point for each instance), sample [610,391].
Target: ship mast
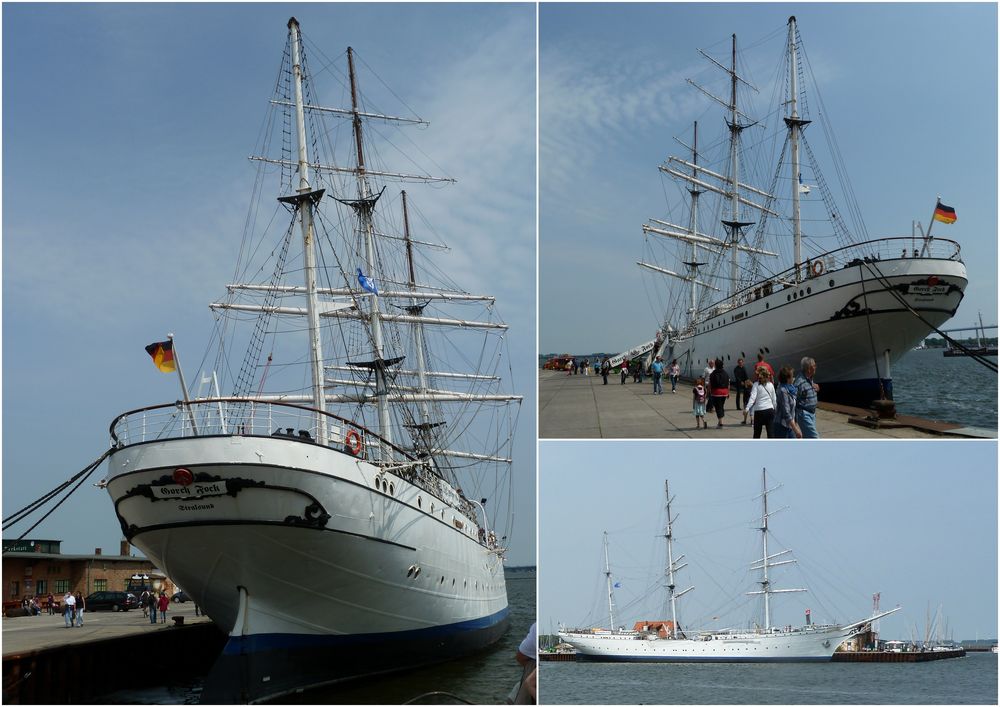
[672,564]
[795,125]
[607,574]
[305,200]
[765,561]
[695,193]
[734,226]
[364,207]
[416,310]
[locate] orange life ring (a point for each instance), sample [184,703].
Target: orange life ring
[817,268]
[353,442]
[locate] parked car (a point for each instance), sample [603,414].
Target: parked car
[180,596]
[115,601]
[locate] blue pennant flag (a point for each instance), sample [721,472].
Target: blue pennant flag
[618,585]
[367,283]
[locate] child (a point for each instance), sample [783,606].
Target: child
[700,396]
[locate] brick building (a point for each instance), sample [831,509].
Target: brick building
[33,567]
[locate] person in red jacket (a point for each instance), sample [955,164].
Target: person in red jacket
[163,604]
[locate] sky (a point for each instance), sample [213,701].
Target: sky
[126,129]
[915,522]
[910,90]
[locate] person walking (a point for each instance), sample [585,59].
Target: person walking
[718,384]
[761,404]
[657,376]
[81,604]
[605,370]
[785,426]
[699,395]
[52,604]
[69,608]
[675,373]
[152,607]
[144,601]
[624,371]
[806,398]
[164,605]
[741,383]
[762,363]
[586,366]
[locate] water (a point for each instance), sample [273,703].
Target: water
[969,680]
[928,385]
[484,678]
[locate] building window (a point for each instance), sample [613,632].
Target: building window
[62,586]
[100,585]
[42,587]
[15,589]
[55,569]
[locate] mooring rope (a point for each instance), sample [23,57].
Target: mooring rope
[79,477]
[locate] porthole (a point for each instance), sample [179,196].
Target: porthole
[417,573]
[795,295]
[376,483]
[801,293]
[767,350]
[788,298]
[832,283]
[420,503]
[809,290]
[409,572]
[432,506]
[442,580]
[767,305]
[392,488]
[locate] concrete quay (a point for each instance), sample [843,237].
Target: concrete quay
[44,662]
[581,407]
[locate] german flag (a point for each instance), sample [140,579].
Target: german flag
[162,353]
[945,214]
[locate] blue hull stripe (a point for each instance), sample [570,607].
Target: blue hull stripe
[244,645]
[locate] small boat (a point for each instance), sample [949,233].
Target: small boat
[330,513]
[669,641]
[980,349]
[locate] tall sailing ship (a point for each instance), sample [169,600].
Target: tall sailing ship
[344,510]
[751,270]
[669,641]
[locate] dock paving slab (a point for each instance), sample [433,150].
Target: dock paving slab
[24,634]
[582,407]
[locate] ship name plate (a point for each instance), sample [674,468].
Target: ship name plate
[195,490]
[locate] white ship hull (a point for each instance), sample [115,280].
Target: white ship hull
[807,644]
[289,545]
[843,318]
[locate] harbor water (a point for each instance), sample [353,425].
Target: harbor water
[969,680]
[951,389]
[484,678]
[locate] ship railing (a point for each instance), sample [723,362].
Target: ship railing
[249,417]
[873,251]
